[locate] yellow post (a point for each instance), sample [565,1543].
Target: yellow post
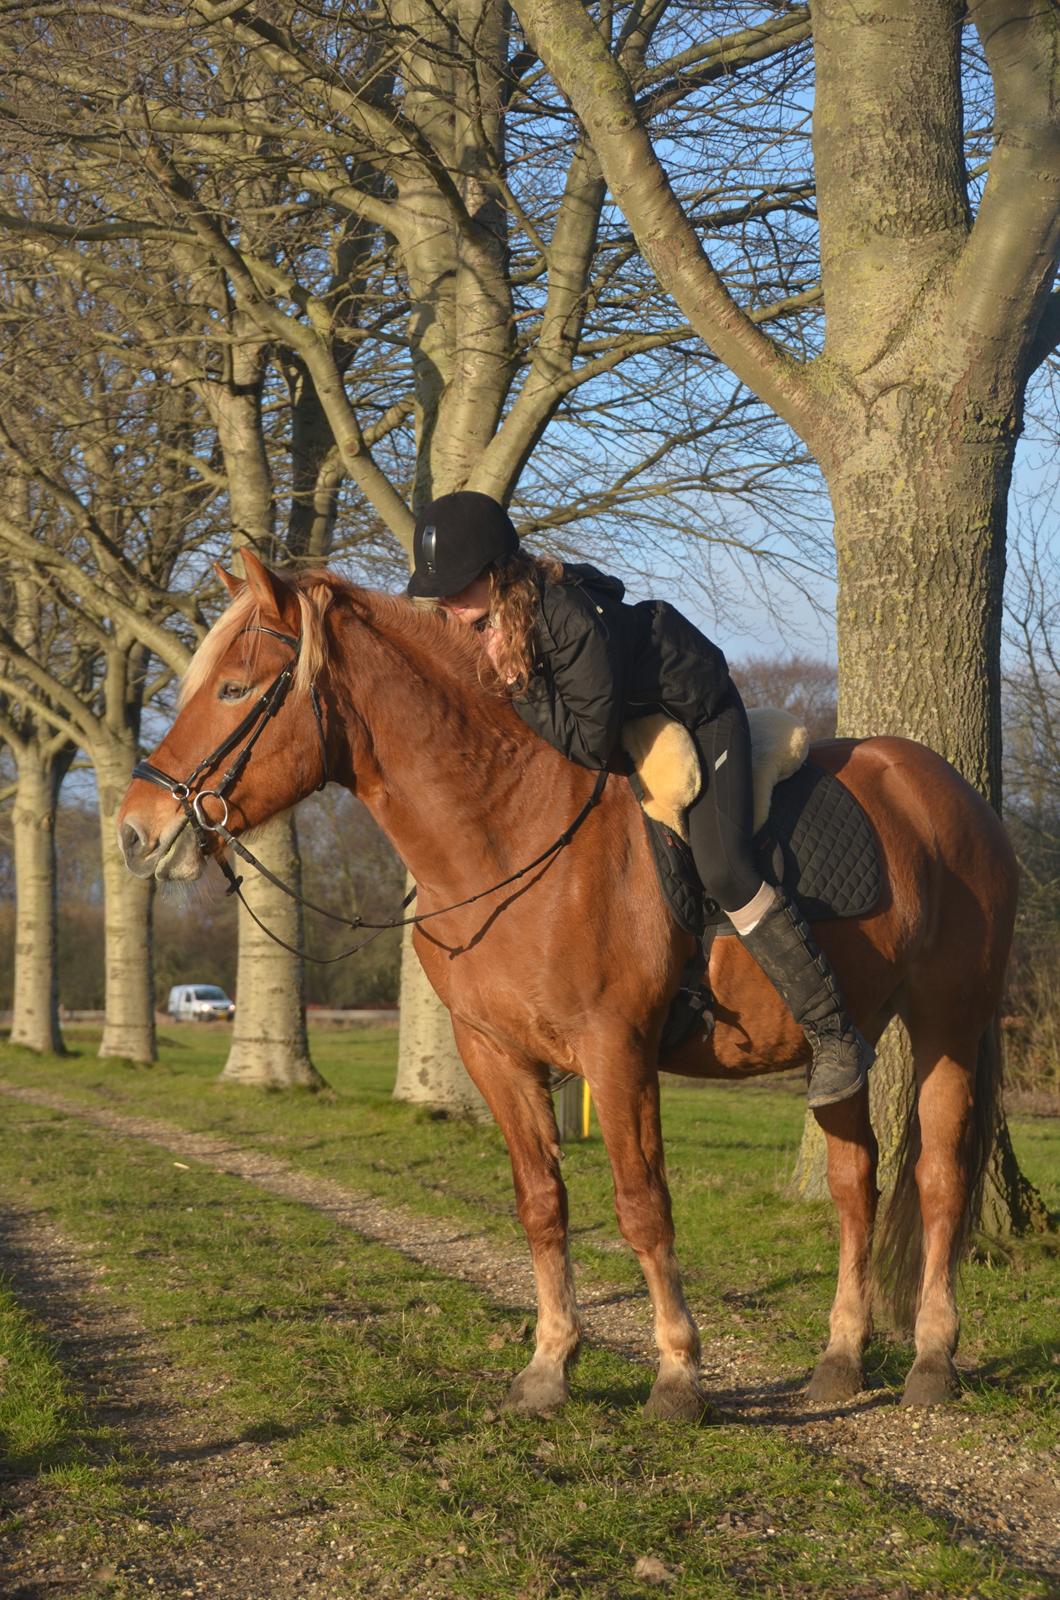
[587,1106]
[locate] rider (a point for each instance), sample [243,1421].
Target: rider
[578,661]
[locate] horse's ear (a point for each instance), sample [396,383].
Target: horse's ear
[232,584]
[276,601]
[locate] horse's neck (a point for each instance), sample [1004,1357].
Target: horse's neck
[441,768]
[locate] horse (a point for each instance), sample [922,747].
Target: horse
[574,964]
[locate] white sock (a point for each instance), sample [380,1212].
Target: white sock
[749,916]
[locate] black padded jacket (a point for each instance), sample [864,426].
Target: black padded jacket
[600,661]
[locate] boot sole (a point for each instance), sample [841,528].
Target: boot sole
[815,1102]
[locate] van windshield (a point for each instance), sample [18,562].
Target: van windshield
[210,992]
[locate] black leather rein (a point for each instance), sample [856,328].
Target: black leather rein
[251,727]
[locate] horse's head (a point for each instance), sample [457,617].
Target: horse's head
[249,741]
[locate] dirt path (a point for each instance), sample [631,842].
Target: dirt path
[191,1476]
[975,1472]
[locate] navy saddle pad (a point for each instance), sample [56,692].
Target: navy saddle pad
[817,843]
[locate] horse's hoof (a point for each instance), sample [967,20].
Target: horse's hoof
[835,1378]
[677,1399]
[932,1381]
[534,1392]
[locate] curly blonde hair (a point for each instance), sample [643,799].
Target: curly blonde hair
[515,594]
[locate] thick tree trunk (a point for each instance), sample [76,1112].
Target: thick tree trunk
[913,407]
[461,340]
[920,548]
[270,1048]
[35,1019]
[129,1000]
[920,542]
[430,1071]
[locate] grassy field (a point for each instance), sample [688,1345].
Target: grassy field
[374,1383]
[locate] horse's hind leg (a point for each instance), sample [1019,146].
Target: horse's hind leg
[518,1096]
[852,1152]
[946,1084]
[626,1099]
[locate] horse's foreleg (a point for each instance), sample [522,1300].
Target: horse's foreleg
[627,1108]
[518,1096]
[944,1107]
[852,1153]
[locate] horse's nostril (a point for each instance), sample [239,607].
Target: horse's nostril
[130,839]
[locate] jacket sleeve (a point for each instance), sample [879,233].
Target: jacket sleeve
[577,700]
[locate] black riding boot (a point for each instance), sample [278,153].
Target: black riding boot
[784,948]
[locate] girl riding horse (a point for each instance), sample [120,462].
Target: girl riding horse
[577,662]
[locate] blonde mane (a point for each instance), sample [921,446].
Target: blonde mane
[316,592]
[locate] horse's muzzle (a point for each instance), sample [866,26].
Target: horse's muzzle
[174,857]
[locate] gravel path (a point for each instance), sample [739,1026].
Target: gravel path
[991,1485]
[190,1477]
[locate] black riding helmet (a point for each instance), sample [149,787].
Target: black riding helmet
[457,537]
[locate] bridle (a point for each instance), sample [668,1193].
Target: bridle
[252,727]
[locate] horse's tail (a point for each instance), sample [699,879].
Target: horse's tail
[899,1258]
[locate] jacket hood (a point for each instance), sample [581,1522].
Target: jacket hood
[593,578]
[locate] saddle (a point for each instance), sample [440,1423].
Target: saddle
[811,837]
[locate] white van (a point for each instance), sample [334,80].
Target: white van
[199,1002]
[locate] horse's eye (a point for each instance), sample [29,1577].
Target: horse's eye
[233,691]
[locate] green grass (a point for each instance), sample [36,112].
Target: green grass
[374,1383]
[758,1266]
[41,1419]
[87,1493]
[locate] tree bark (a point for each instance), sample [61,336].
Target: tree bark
[270,1047]
[461,334]
[920,520]
[35,1019]
[129,1000]
[430,1072]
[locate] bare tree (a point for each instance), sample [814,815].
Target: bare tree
[379,207]
[937,308]
[90,536]
[800,684]
[42,754]
[1032,792]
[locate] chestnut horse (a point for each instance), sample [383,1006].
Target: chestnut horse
[576,965]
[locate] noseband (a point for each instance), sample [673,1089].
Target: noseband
[251,728]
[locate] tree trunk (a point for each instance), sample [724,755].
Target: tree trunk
[920,544]
[1010,1205]
[129,1002]
[461,340]
[35,1019]
[913,407]
[430,1071]
[270,1048]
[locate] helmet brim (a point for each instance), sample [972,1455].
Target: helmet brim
[425,586]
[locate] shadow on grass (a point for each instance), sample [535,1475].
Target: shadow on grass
[1031,1372]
